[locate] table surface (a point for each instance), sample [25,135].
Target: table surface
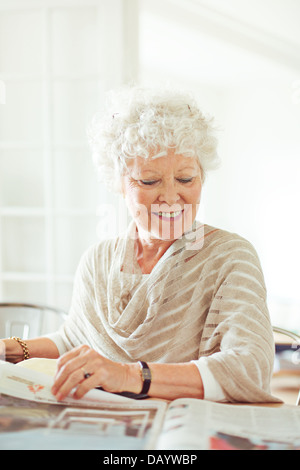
[286,387]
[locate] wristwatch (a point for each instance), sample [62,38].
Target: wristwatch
[146,377]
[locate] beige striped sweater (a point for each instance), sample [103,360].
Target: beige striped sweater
[204,298]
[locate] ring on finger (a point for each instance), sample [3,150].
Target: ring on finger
[86,374]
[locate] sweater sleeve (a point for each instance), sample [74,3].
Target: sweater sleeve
[212,388]
[237,340]
[75,330]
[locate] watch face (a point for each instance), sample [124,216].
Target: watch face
[146,374]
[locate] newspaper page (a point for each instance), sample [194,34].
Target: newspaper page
[32,419]
[33,385]
[202,425]
[28,425]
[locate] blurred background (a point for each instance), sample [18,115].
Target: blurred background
[58,58]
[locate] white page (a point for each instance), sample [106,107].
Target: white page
[189,424]
[21,382]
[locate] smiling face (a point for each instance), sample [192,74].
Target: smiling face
[163,194]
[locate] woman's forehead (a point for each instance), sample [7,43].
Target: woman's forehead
[155,164]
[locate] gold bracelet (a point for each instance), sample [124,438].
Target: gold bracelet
[24,346]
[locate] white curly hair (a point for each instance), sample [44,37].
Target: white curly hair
[145,122]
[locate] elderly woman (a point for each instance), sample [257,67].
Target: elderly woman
[172,308]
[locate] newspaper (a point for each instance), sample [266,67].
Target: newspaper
[197,424]
[22,382]
[31,418]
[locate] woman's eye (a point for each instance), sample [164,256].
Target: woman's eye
[185,180]
[152,182]
[148,182]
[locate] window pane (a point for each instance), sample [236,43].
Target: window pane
[73,235]
[63,295]
[21,42]
[23,240]
[21,116]
[75,181]
[17,291]
[74,38]
[75,103]
[21,178]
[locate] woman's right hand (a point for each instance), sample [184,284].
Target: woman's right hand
[11,350]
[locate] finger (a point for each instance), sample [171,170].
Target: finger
[85,386]
[70,361]
[72,381]
[65,373]
[65,358]
[69,368]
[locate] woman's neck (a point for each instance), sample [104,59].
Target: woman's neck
[149,251]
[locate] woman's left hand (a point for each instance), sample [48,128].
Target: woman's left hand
[83,369]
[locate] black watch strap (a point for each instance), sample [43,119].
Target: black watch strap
[146,377]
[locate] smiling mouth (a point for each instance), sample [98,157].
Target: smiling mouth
[169,215]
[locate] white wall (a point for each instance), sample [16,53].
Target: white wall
[242,64]
[256,191]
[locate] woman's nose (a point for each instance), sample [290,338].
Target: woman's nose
[169,193]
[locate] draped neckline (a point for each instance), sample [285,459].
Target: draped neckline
[133,297]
